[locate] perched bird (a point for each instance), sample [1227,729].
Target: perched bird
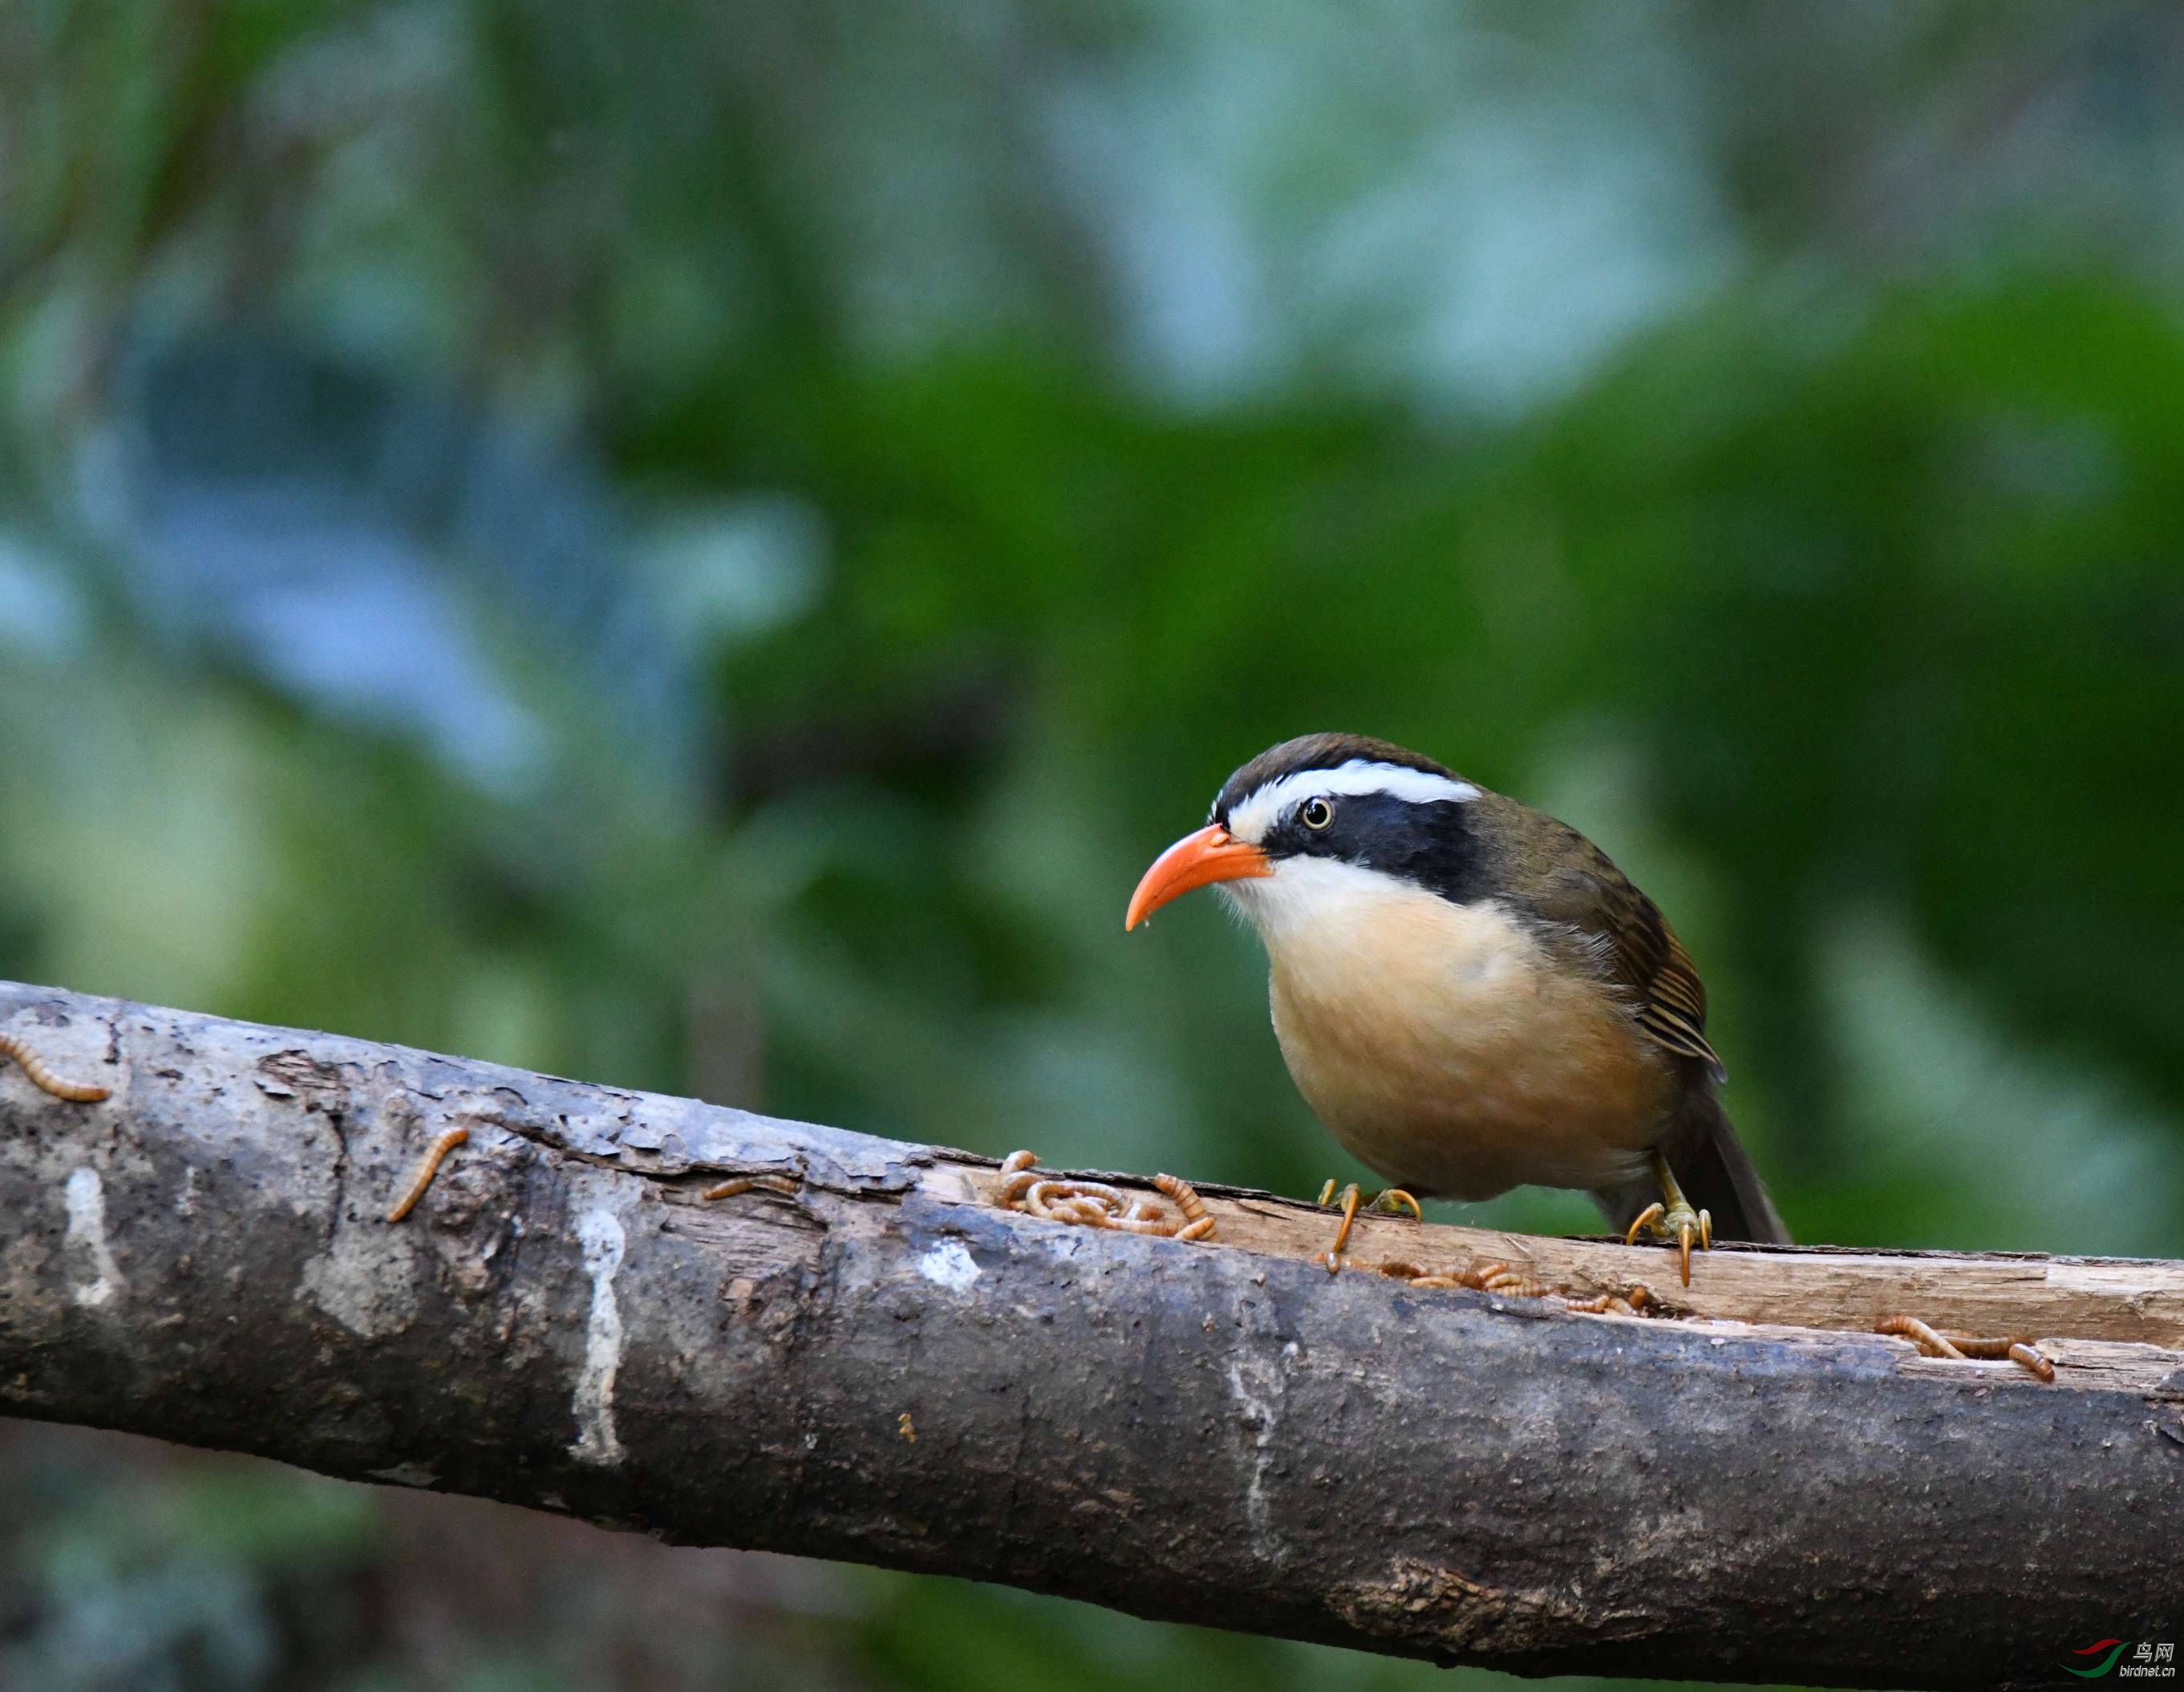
[1469,995]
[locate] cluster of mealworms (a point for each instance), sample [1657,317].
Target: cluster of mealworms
[1962,1348]
[1094,1204]
[1485,1278]
[1499,1278]
[76,1093]
[1634,1299]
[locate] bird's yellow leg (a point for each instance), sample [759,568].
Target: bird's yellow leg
[1389,1201]
[1673,1218]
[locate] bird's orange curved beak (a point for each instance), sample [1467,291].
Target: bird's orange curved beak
[1212,854]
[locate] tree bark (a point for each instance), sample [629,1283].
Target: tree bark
[882,1365]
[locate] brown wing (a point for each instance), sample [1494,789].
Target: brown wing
[1571,883]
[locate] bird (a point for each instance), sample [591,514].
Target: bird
[1469,995]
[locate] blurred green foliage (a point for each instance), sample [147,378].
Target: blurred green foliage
[705,547]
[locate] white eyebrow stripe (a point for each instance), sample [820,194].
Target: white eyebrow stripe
[1251,820]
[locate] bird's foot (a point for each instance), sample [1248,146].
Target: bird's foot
[1675,1224]
[1672,1220]
[1388,1201]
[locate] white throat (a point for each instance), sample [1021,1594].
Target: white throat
[1306,897]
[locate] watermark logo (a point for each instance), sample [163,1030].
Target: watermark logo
[2148,1660]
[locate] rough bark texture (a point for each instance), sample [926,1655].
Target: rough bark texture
[885,1368]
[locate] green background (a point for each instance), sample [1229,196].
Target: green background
[705,547]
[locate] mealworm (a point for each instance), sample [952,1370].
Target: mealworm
[1042,1197]
[427,1168]
[2016,1351]
[1928,1342]
[75,1092]
[1500,1277]
[1630,1301]
[1185,1195]
[786,1185]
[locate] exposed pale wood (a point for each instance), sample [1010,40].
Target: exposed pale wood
[2138,1300]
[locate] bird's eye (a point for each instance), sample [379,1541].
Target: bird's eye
[1315,813]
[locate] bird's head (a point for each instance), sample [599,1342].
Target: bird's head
[1318,821]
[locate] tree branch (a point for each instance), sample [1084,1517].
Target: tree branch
[879,1365]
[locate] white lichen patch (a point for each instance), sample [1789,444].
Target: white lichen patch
[599,1231]
[86,1230]
[1255,1386]
[950,1265]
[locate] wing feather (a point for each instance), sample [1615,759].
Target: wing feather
[1584,894]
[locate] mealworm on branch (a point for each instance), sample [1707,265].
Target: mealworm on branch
[1197,1220]
[786,1185]
[1909,1327]
[427,1168]
[2016,1351]
[74,1092]
[1963,1348]
[1632,1300]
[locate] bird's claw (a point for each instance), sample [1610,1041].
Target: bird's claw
[1678,1223]
[1388,1201]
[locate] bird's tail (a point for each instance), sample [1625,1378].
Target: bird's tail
[1714,1170]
